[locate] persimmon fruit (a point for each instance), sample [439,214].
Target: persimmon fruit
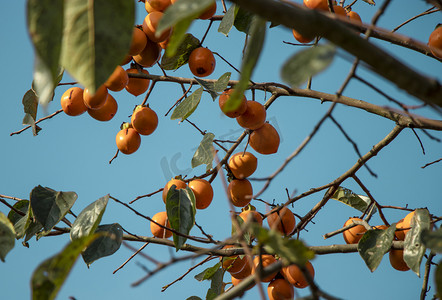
[201,62]
[354,16]
[243,164]
[203,191]
[209,12]
[157,231]
[242,107]
[72,102]
[180,184]
[128,140]
[340,11]
[97,100]
[251,214]
[254,116]
[117,80]
[316,4]
[106,112]
[294,275]
[354,234]
[149,55]
[396,257]
[157,5]
[267,260]
[150,25]
[137,86]
[139,41]
[233,264]
[245,271]
[265,140]
[236,281]
[435,42]
[240,191]
[280,289]
[283,221]
[301,38]
[403,226]
[144,120]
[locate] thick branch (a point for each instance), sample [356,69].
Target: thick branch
[312,22]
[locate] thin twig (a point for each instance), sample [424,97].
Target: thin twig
[36,122]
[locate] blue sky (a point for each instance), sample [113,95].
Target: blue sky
[72,154]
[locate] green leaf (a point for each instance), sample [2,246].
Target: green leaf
[228,20]
[50,275]
[216,286]
[216,87]
[97,36]
[306,63]
[374,244]
[30,105]
[243,21]
[88,220]
[414,250]
[432,240]
[181,209]
[7,236]
[351,199]
[18,220]
[251,55]
[187,106]
[438,279]
[208,273]
[204,154]
[293,251]
[181,56]
[109,241]
[182,10]
[247,236]
[45,25]
[50,206]
[177,37]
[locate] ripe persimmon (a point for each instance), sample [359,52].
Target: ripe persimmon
[203,191]
[280,289]
[317,4]
[354,234]
[180,184]
[435,42]
[157,231]
[354,16]
[72,102]
[253,214]
[144,120]
[97,100]
[403,226]
[301,38]
[254,116]
[106,112]
[128,140]
[340,11]
[117,80]
[139,41]
[397,260]
[240,191]
[236,281]
[246,270]
[242,107]
[157,5]
[265,140]
[149,55]
[267,260]
[294,275]
[202,62]
[283,221]
[233,264]
[209,12]
[137,86]
[243,164]
[150,25]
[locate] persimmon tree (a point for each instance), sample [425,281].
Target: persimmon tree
[82,43]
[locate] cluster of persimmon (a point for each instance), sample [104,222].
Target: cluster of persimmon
[354,234]
[281,284]
[203,192]
[323,6]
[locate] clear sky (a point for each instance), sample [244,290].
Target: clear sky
[72,154]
